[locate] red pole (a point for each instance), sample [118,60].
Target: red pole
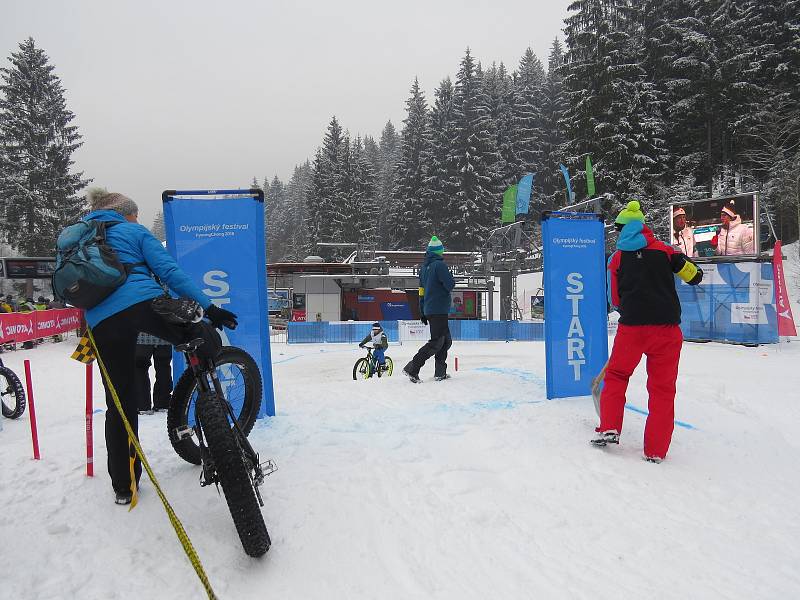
[89,412]
[34,433]
[456,363]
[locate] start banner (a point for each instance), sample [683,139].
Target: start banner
[23,327]
[575,308]
[217,238]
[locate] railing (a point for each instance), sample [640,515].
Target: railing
[352,332]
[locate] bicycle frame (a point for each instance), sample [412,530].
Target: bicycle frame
[202,369]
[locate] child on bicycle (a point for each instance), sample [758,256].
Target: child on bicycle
[379,343]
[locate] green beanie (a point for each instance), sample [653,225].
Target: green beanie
[435,246]
[632,212]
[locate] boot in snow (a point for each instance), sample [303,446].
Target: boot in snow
[604,438]
[408,371]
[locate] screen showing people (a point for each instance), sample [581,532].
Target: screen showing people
[715,227]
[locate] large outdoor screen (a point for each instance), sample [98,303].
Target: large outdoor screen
[716,227]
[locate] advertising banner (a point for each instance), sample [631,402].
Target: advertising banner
[278,300]
[23,327]
[783,305]
[735,302]
[217,237]
[576,330]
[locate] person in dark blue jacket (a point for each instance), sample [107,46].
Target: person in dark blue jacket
[435,284]
[116,322]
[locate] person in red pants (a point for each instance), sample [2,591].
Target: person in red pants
[641,286]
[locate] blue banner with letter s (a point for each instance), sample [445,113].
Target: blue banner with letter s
[217,238]
[575,313]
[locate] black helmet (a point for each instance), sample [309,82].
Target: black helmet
[376,325]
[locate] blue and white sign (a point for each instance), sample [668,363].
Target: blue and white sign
[735,302]
[575,321]
[217,237]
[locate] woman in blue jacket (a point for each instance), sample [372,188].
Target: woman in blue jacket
[117,321]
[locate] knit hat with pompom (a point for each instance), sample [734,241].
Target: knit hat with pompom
[101,199]
[632,212]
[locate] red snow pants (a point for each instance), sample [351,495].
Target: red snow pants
[662,346]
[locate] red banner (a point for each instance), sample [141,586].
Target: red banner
[22,327]
[782,303]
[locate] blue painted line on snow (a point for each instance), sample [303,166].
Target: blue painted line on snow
[641,411]
[284,360]
[524,375]
[533,378]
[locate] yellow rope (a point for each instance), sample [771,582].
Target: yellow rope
[173,518]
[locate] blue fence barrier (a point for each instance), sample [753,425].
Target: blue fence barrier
[462,331]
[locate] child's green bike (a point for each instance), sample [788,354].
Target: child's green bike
[368,366]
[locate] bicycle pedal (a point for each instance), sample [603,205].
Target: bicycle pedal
[184,432]
[268,467]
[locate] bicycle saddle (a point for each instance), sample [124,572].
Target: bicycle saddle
[191,345]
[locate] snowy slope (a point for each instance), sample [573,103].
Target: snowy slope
[476,487]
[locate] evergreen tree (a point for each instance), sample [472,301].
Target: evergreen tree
[475,205]
[364,202]
[549,183]
[529,87]
[410,173]
[275,219]
[614,111]
[441,169]
[325,186]
[158,227]
[387,207]
[501,94]
[295,215]
[38,194]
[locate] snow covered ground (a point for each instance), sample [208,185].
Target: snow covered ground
[477,487]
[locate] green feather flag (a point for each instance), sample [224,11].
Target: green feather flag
[589,177]
[509,213]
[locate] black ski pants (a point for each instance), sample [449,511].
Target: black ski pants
[437,346]
[116,342]
[162,388]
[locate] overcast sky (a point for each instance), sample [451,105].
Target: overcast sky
[177,94]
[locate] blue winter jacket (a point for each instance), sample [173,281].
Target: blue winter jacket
[435,285]
[135,244]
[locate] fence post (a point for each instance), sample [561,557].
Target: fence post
[32,409]
[89,413]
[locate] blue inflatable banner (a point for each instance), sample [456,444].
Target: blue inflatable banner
[735,302]
[565,173]
[575,311]
[217,237]
[524,193]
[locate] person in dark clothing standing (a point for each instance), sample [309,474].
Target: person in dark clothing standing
[435,284]
[641,286]
[147,347]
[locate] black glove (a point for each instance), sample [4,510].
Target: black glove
[220,317]
[361,345]
[424,319]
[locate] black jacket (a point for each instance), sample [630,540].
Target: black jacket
[641,278]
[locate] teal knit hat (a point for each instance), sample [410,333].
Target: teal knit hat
[632,212]
[435,246]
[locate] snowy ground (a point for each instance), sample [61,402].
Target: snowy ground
[472,488]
